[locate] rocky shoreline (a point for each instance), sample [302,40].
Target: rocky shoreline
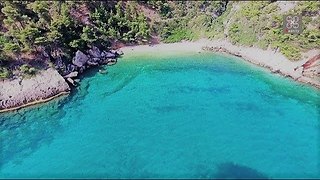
[20,92]
[82,61]
[52,82]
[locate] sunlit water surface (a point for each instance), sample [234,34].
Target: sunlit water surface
[159,116]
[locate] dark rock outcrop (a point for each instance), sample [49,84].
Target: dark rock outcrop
[80,59]
[52,81]
[70,68]
[84,60]
[94,52]
[106,54]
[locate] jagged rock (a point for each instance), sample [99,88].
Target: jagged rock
[94,52]
[237,54]
[59,63]
[103,54]
[97,60]
[91,63]
[111,62]
[81,69]
[106,54]
[71,81]
[80,59]
[71,75]
[120,52]
[275,71]
[117,53]
[104,61]
[70,68]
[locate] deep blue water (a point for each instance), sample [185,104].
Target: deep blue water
[195,115]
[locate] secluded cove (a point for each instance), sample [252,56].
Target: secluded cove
[171,115]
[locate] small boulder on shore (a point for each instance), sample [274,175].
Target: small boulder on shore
[92,63]
[71,81]
[94,52]
[111,62]
[106,54]
[117,53]
[71,75]
[80,59]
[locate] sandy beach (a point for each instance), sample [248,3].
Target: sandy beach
[49,84]
[274,61]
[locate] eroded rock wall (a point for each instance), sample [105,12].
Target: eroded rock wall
[19,92]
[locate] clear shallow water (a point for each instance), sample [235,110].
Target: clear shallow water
[195,115]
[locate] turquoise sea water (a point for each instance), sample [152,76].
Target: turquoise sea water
[157,116]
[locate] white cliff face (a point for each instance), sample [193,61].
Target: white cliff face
[19,92]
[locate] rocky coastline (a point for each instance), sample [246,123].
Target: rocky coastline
[84,60]
[22,92]
[60,79]
[52,82]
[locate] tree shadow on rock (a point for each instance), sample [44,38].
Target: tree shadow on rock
[236,171]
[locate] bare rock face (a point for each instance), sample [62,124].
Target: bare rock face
[94,52]
[92,63]
[71,75]
[80,59]
[83,60]
[71,81]
[106,54]
[19,92]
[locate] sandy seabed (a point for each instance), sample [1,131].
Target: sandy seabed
[270,59]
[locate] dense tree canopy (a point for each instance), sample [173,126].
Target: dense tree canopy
[62,27]
[67,26]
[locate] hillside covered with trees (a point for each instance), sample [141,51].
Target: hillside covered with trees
[30,31]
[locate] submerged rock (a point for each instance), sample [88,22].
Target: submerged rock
[103,71]
[77,80]
[111,62]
